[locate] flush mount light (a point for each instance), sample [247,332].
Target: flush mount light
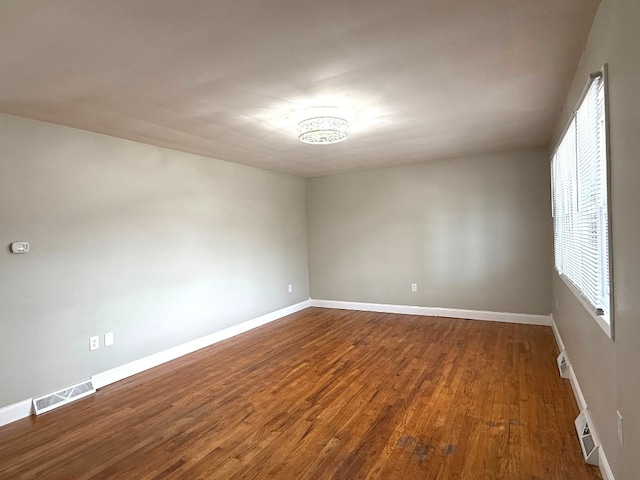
[323,130]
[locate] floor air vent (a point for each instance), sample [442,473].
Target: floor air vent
[563,364]
[57,399]
[587,438]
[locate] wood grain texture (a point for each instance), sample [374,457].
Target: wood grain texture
[324,394]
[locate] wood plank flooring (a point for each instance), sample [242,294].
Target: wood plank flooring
[324,394]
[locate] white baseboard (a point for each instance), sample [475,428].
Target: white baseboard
[556,333]
[437,312]
[603,463]
[23,409]
[14,412]
[575,386]
[123,371]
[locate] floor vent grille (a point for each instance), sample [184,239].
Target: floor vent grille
[587,438]
[563,364]
[62,397]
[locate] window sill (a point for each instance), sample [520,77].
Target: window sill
[603,321]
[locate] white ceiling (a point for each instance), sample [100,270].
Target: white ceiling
[422,79]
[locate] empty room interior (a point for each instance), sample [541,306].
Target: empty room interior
[320,239]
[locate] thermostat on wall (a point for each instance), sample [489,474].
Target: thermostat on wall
[20,247]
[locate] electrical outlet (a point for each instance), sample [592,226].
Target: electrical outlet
[620,430]
[108,339]
[290,288]
[414,287]
[557,305]
[94,342]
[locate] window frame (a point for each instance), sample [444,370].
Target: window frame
[605,321]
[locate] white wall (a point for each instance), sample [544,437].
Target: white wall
[608,370]
[474,233]
[158,246]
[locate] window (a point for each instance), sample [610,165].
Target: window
[580,203]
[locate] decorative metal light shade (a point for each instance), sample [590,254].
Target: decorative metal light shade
[323,130]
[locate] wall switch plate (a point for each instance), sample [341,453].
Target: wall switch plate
[94,342]
[290,288]
[620,430]
[108,339]
[414,287]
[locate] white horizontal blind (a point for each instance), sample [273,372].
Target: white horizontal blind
[579,183]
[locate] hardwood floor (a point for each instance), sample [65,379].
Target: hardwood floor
[324,394]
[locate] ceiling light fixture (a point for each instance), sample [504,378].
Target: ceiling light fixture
[323,130]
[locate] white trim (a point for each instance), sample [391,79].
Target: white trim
[605,468]
[556,334]
[575,386]
[132,368]
[14,412]
[577,391]
[436,312]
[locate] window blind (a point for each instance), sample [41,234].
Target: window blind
[579,199]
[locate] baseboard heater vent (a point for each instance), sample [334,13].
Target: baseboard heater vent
[563,364]
[57,399]
[587,438]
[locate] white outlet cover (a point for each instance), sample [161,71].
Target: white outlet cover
[620,428]
[290,288]
[414,287]
[94,342]
[108,339]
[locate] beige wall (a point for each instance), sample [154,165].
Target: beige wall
[608,370]
[159,247]
[473,233]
